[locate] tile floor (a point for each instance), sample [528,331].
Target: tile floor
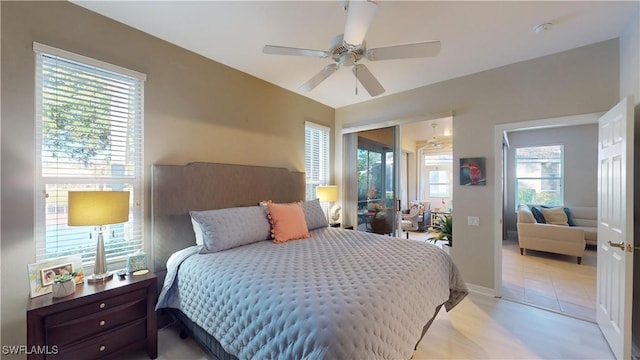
[551,281]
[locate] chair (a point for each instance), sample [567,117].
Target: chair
[380,222]
[409,221]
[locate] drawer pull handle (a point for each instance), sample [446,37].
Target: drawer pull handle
[102,305]
[102,322]
[103,348]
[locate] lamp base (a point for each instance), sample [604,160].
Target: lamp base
[98,278]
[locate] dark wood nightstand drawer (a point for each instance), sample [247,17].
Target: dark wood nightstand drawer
[67,331]
[101,320]
[104,345]
[94,308]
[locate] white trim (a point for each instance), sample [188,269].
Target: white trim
[481,290]
[499,131]
[314,125]
[37,47]
[376,124]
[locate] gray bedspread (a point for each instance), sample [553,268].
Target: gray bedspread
[340,294]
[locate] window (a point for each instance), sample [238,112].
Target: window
[438,169]
[316,157]
[539,178]
[89,118]
[439,183]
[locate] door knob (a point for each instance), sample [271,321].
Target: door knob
[619,246]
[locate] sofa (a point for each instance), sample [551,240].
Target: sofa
[550,237]
[586,218]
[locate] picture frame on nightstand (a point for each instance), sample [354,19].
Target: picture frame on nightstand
[41,271]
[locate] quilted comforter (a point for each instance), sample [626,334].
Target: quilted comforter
[340,294]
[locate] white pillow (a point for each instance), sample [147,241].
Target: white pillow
[198,231]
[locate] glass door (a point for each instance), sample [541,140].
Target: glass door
[377,180]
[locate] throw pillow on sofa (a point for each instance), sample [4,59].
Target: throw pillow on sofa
[555,216]
[537,214]
[566,211]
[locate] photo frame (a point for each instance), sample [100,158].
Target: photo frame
[40,273]
[47,275]
[473,171]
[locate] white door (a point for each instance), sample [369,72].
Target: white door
[615,227]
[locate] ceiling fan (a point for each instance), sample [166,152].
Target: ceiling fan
[435,142]
[349,48]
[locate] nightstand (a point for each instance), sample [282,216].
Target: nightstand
[99,320]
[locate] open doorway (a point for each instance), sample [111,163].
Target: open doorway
[427,186]
[550,165]
[411,135]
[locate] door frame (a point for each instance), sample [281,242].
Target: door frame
[499,130]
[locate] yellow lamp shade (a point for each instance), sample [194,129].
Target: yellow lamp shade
[327,193]
[98,207]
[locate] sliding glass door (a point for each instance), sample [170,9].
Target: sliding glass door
[377,180]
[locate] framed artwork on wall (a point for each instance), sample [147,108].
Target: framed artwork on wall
[472,171]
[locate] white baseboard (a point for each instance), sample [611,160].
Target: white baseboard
[481,290]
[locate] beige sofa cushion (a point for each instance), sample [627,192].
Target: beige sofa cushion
[586,218]
[555,216]
[525,215]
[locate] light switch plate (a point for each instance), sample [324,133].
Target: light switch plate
[473,220]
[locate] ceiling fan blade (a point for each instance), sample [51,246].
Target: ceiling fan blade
[284,50]
[417,50]
[359,16]
[319,77]
[366,78]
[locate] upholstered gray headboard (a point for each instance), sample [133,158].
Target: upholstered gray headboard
[178,189]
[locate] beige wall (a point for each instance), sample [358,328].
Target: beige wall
[578,81]
[195,110]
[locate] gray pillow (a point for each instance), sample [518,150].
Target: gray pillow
[315,216]
[232,227]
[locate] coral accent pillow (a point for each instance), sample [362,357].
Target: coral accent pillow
[287,222]
[555,216]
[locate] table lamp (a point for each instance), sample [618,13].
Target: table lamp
[98,208]
[328,194]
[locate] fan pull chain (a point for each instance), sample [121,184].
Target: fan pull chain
[356,73]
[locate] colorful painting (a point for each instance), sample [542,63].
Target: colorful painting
[472,171]
[41,273]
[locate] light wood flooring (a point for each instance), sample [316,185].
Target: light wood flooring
[480,327]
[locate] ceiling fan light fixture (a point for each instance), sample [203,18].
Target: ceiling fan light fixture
[359,16]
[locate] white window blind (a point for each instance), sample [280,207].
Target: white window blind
[89,121]
[316,157]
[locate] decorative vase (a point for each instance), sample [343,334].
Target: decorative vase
[63,289]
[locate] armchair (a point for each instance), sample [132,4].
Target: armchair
[409,221]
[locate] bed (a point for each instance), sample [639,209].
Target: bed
[336,294]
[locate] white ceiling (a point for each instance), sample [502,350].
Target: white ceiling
[475,36]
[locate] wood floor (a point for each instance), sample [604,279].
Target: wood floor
[480,327]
